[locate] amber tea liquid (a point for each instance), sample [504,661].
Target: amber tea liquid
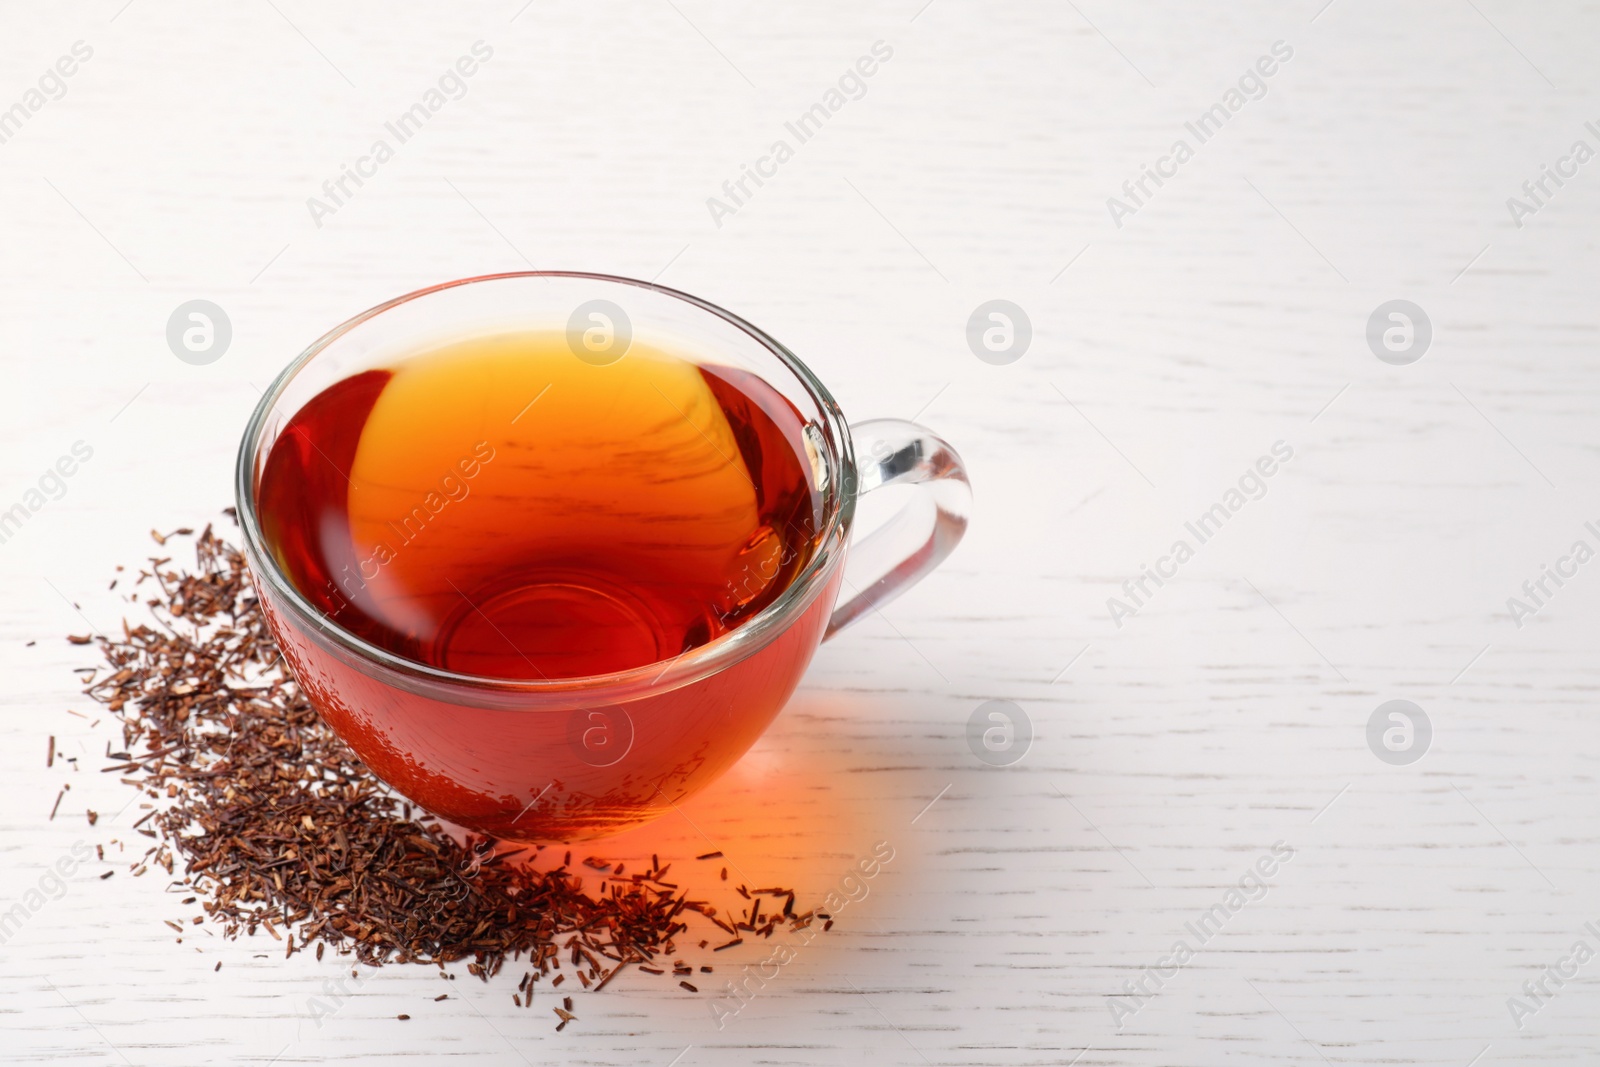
[498,507]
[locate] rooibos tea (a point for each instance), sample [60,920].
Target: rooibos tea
[496,507]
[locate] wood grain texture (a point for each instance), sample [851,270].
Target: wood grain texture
[1169,754]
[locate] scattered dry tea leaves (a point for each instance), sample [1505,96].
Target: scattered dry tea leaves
[275,825]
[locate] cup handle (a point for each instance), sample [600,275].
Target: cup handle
[918,538]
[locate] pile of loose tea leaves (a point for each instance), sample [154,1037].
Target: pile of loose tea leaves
[273,825]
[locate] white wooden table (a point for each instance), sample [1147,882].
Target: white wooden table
[1170,754]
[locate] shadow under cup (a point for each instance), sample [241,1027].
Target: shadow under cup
[564,759]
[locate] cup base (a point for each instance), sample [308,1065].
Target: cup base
[553,628]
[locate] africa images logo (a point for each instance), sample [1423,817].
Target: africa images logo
[451,85]
[1252,85]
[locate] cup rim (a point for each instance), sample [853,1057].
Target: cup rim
[701,661]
